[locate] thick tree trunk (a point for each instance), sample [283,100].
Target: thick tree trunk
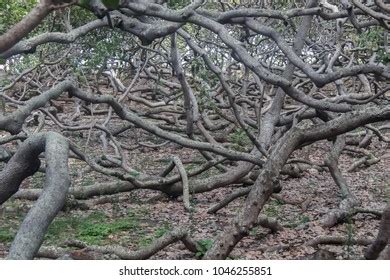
[33,229]
[383,237]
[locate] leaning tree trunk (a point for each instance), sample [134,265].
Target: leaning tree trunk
[257,197]
[25,163]
[383,237]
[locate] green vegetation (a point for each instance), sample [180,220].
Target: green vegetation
[350,236]
[178,4]
[13,11]
[10,217]
[240,140]
[253,231]
[161,231]
[203,246]
[92,229]
[6,235]
[371,41]
[157,233]
[96,228]
[272,209]
[37,180]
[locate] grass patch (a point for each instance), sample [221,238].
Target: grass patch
[203,246]
[157,233]
[10,219]
[6,234]
[240,141]
[161,231]
[253,231]
[93,229]
[272,209]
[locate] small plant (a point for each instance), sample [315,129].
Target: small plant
[305,219]
[278,202]
[239,139]
[272,210]
[178,4]
[145,241]
[94,233]
[159,232]
[203,246]
[6,235]
[38,180]
[93,229]
[253,231]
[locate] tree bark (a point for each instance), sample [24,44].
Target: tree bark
[33,229]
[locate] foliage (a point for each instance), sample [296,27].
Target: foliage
[239,139]
[161,231]
[92,229]
[12,12]
[203,246]
[80,16]
[371,41]
[157,233]
[6,235]
[10,217]
[37,180]
[272,210]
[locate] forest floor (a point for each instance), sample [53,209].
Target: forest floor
[137,218]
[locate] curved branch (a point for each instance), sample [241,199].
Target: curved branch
[383,237]
[33,229]
[143,254]
[28,46]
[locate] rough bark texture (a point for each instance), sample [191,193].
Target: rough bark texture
[33,229]
[257,197]
[383,237]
